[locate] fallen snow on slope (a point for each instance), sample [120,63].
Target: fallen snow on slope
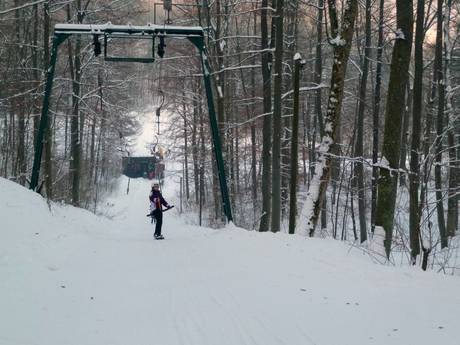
[69,277]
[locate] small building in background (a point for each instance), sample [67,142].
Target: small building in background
[151,167]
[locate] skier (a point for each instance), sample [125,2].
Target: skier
[156,203]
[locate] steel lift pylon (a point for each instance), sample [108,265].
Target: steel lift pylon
[107,31]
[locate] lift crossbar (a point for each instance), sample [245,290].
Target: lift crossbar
[129,30]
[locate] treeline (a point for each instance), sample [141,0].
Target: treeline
[378,135]
[374,117]
[91,111]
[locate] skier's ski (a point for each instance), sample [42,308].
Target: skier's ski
[166,209]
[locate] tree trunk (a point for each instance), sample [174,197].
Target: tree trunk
[18,104]
[187,188]
[319,66]
[267,121]
[99,106]
[202,160]
[318,97]
[414,176]
[341,42]
[376,116]
[305,115]
[453,130]
[196,164]
[75,148]
[290,40]
[440,126]
[427,142]
[220,76]
[277,114]
[36,73]
[359,149]
[253,142]
[294,148]
[405,135]
[49,134]
[387,188]
[454,173]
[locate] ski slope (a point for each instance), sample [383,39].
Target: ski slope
[68,277]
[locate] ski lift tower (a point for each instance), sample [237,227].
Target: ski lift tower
[107,32]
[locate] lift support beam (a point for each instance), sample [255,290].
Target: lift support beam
[194,34]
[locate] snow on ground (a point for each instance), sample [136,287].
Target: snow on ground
[69,277]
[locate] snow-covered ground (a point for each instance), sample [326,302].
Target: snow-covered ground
[68,277]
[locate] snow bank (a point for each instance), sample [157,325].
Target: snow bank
[70,277]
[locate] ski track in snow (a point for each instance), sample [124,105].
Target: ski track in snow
[69,277]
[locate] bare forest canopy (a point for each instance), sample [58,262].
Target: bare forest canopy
[338,118]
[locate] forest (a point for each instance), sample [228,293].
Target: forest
[338,118]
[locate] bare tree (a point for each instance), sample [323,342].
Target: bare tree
[399,74]
[414,176]
[341,42]
[267,120]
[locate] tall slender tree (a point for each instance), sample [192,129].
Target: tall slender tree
[294,146]
[399,73]
[453,131]
[359,149]
[49,134]
[341,43]
[439,70]
[376,115]
[75,141]
[266,57]
[277,114]
[414,176]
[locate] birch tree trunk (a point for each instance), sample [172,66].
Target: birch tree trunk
[318,99]
[341,42]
